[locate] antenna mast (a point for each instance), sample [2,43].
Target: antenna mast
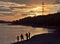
[42,8]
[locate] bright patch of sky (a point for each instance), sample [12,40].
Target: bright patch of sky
[16,10]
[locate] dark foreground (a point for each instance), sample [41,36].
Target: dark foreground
[48,38]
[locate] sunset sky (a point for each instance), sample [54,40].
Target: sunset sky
[16,9]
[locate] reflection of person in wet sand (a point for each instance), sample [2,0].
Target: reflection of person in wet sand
[22,37]
[27,35]
[17,38]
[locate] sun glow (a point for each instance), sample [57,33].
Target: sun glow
[48,9]
[18,11]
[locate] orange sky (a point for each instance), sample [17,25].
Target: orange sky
[14,11]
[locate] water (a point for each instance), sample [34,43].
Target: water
[8,33]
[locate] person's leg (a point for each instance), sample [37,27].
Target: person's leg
[21,39]
[27,37]
[18,40]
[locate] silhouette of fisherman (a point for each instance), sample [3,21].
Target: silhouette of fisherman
[27,35]
[17,38]
[22,37]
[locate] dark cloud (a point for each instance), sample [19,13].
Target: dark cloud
[21,7]
[5,10]
[32,1]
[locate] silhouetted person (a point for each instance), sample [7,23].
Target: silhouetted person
[22,37]
[26,36]
[17,38]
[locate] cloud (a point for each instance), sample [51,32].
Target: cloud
[8,8]
[13,10]
[31,1]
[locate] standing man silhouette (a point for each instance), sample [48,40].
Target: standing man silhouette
[22,37]
[17,38]
[28,35]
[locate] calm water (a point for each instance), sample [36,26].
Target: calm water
[8,33]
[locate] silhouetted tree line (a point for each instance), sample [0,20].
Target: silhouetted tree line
[45,20]
[2,21]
